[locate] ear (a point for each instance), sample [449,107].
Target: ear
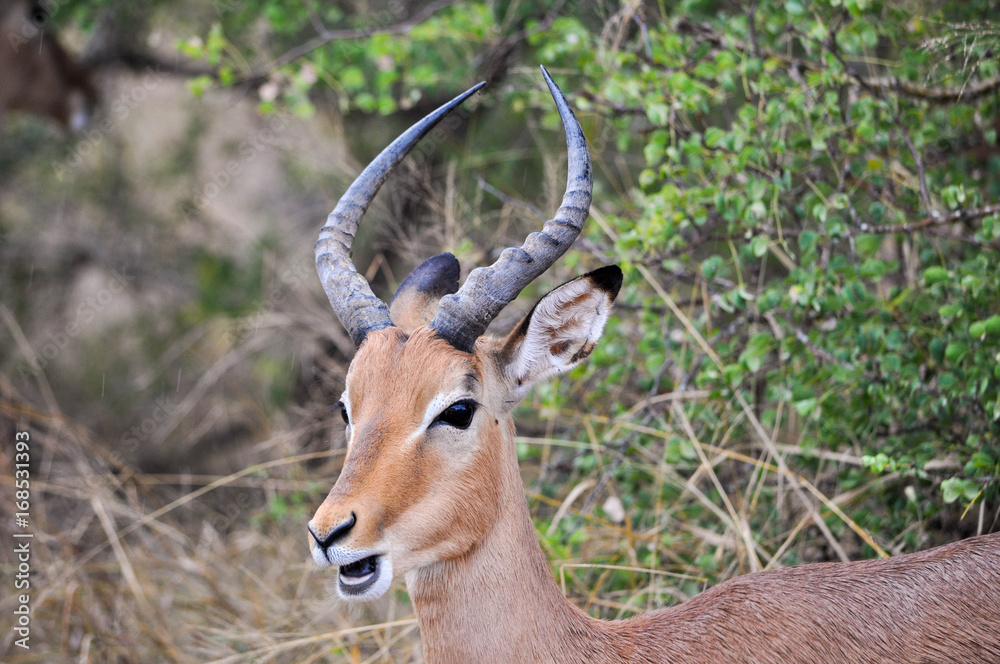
[561,330]
[416,299]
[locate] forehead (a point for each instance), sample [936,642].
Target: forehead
[391,367]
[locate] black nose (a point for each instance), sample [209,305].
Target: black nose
[334,534]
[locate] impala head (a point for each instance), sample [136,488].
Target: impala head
[36,75]
[428,397]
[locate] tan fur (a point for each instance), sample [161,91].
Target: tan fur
[36,75]
[449,508]
[934,606]
[385,474]
[412,309]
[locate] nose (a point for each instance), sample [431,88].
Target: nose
[324,542]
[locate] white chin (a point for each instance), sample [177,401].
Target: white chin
[367,588]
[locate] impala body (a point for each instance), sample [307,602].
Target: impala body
[36,75]
[431,493]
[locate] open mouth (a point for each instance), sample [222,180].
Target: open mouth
[359,576]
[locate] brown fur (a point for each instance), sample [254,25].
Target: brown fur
[449,507]
[412,309]
[36,75]
[502,605]
[385,474]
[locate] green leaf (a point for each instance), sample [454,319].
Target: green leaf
[714,136]
[658,113]
[806,407]
[934,275]
[759,245]
[794,7]
[710,267]
[955,352]
[954,488]
[808,240]
[993,325]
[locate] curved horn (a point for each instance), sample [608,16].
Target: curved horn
[359,311]
[463,317]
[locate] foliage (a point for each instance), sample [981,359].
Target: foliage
[834,221]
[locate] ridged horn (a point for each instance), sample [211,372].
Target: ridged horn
[463,317]
[359,311]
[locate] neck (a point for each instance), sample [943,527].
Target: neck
[499,602]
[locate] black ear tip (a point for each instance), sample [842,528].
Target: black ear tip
[608,279]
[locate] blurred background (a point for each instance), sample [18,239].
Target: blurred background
[804,363]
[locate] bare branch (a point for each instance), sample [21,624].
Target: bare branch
[957,215]
[931,94]
[934,95]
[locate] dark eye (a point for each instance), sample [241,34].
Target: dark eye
[458,414]
[343,411]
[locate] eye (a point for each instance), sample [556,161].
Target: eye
[343,411]
[458,414]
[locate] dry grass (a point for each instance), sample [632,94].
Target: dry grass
[125,568]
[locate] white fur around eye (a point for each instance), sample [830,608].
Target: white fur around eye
[436,406]
[348,429]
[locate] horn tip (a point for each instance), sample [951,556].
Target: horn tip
[468,93]
[557,95]
[548,80]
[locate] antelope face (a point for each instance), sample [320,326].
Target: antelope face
[428,398]
[416,478]
[430,437]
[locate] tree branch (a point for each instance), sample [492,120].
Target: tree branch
[931,94]
[934,95]
[957,215]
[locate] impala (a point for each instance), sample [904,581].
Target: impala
[430,490]
[36,75]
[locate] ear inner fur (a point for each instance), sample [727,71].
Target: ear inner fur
[562,328]
[416,300]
